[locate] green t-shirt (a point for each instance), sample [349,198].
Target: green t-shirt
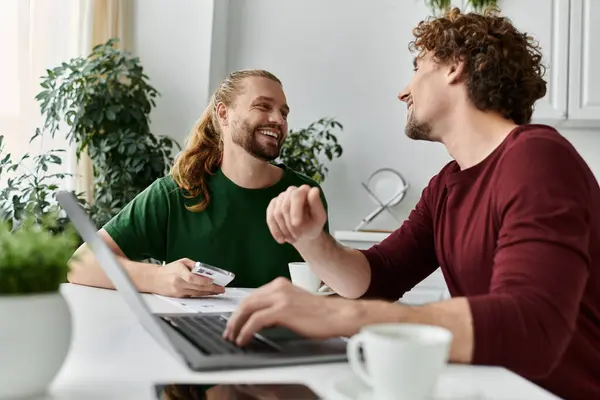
[231,233]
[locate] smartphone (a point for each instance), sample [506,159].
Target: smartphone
[219,276]
[231,391]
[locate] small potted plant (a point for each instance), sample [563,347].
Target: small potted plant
[308,150]
[438,7]
[35,327]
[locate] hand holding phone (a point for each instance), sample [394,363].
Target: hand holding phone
[219,276]
[177,280]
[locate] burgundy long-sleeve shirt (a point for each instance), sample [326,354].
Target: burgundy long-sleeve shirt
[518,235]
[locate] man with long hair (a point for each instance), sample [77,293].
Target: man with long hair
[212,206]
[513,221]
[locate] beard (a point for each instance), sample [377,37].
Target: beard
[247,137]
[418,130]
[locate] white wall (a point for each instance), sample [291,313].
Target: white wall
[174,40]
[347,59]
[218,55]
[342,58]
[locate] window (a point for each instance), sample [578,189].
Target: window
[9,68]
[36,35]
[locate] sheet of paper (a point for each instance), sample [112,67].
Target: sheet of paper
[226,302]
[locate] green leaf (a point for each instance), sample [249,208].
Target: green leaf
[110,114]
[55,159]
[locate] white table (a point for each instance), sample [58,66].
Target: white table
[112,357]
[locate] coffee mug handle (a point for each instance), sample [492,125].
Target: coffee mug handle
[353,353]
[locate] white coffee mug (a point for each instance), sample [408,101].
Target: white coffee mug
[401,361]
[303,277]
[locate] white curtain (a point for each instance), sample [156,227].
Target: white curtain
[36,35]
[98,21]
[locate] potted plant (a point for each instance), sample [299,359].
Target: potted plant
[30,190]
[36,322]
[441,6]
[308,150]
[105,101]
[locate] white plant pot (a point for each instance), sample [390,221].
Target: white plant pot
[35,336]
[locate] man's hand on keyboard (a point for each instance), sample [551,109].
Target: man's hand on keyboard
[279,303]
[176,280]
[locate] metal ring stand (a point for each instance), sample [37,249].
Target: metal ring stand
[383,204]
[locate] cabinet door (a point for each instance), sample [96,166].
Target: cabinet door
[584,84]
[547,21]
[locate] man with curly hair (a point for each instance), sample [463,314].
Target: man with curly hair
[211,207]
[513,221]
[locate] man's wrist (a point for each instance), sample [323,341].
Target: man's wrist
[368,312]
[352,315]
[308,245]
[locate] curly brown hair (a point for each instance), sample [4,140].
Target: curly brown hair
[504,72]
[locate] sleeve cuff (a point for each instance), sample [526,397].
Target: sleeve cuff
[379,287]
[118,238]
[489,321]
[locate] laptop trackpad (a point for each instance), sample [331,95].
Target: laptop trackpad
[294,344]
[280,335]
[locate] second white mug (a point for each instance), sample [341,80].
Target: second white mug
[303,277]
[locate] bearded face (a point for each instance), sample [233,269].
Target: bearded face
[417,130]
[427,97]
[256,121]
[262,141]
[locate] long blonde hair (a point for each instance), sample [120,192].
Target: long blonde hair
[203,152]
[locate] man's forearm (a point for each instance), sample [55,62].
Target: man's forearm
[454,315]
[345,270]
[85,270]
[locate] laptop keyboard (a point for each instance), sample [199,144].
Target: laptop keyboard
[205,331]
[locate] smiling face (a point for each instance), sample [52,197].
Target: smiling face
[427,98]
[257,119]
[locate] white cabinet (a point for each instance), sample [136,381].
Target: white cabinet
[584,63]
[564,30]
[433,288]
[547,21]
